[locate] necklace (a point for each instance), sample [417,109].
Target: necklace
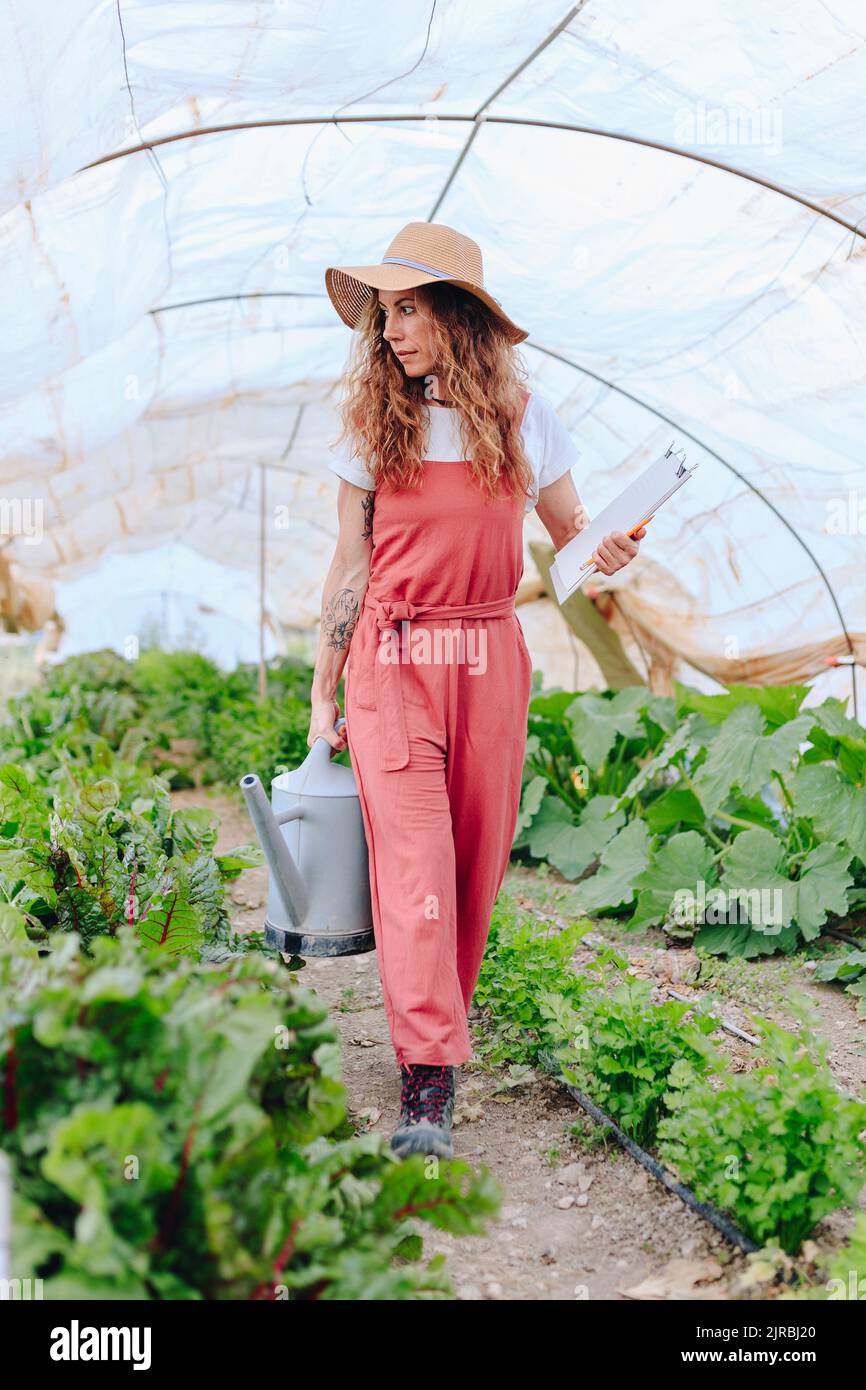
[441,402]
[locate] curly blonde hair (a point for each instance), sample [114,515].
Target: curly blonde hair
[382,410]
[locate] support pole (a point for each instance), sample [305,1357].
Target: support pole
[588,625]
[263,537]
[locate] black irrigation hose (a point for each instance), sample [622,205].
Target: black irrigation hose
[842,936]
[725,1227]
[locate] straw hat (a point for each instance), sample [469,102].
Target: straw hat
[420,254]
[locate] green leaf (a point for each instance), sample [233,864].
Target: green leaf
[778,703]
[661,710]
[822,887]
[623,858]
[753,870]
[738,939]
[172,925]
[742,756]
[681,739]
[832,716]
[13,931]
[678,866]
[837,736]
[552,705]
[232,861]
[596,722]
[531,800]
[194,829]
[94,800]
[845,967]
[836,809]
[407,1189]
[15,777]
[754,809]
[678,805]
[247,1032]
[568,847]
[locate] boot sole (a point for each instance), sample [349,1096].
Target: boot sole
[426,1139]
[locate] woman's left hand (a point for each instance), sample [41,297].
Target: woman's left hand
[617,550]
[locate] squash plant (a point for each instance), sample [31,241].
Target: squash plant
[737,818]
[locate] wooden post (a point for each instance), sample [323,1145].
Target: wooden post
[263,536]
[588,625]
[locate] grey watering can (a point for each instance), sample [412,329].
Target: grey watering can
[313,838]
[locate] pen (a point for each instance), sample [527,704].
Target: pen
[646,519]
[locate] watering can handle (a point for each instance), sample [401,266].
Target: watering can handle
[339,725]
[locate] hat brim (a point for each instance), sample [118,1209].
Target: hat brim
[349,288]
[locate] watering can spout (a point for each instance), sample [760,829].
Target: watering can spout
[286,876]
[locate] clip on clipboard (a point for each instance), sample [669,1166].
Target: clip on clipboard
[573,564]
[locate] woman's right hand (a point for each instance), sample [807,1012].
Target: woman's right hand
[323,716]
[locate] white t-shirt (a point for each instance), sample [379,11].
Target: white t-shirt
[549,446]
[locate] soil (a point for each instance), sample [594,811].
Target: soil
[580,1219]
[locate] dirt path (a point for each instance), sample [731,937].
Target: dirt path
[579,1219]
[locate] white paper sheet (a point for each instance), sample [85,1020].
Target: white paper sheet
[572,565]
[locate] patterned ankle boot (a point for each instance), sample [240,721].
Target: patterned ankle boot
[426,1108]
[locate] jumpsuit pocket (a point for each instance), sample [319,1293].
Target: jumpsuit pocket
[368,648]
[361,676]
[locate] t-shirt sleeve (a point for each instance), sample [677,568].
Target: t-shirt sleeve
[559,452]
[346,464]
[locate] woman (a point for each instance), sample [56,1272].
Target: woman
[446,451]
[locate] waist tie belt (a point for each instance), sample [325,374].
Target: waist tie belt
[393,741]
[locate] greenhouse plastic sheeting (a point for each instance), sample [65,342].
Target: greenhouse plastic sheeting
[671,198]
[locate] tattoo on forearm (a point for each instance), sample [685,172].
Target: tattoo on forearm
[340,617]
[367,507]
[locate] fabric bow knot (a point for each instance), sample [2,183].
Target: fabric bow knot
[393,612]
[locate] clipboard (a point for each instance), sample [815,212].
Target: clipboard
[632,509]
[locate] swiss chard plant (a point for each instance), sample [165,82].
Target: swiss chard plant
[97,854]
[181,1132]
[91,706]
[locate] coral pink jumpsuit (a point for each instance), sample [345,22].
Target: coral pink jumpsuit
[437,694]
